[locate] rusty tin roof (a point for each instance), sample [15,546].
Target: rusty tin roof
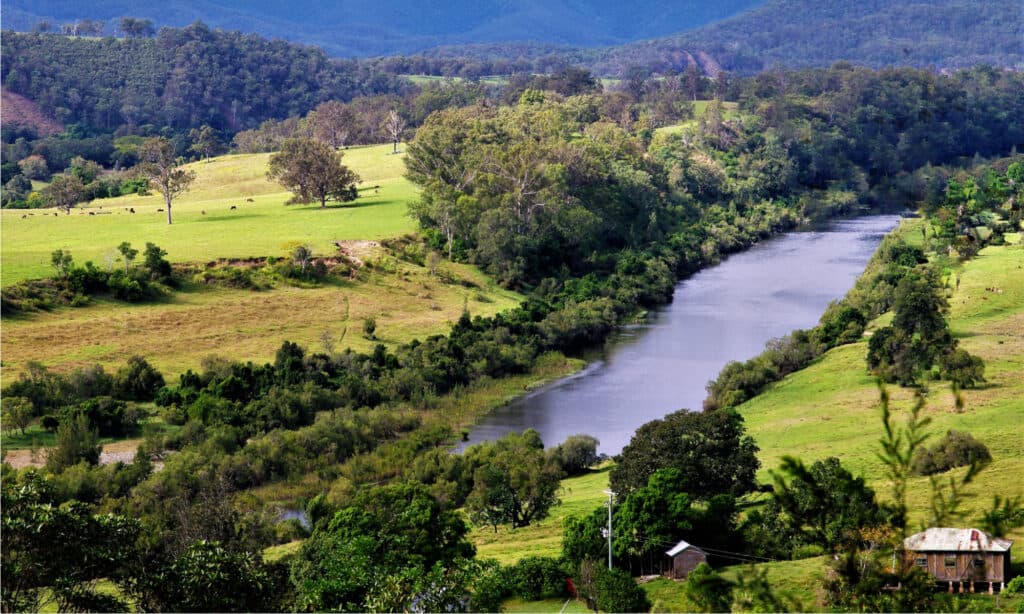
[941,539]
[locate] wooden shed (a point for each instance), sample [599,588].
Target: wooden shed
[682,559]
[961,559]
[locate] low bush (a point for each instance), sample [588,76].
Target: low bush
[956,449]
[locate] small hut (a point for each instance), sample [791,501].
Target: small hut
[682,559]
[961,558]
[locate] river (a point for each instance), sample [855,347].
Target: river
[726,312]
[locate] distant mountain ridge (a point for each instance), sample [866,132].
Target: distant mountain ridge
[360,28]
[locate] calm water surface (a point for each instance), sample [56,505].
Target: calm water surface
[723,313]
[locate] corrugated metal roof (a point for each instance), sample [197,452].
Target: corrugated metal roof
[682,545]
[941,539]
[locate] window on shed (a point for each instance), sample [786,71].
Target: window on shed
[979,562]
[921,561]
[950,561]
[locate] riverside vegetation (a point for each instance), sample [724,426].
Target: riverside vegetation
[591,220]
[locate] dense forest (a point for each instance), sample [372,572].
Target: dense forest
[180,79]
[575,198]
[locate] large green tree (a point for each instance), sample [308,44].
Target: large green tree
[313,172]
[711,450]
[514,483]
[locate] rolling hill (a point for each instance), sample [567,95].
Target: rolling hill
[384,27]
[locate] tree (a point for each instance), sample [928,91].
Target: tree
[34,167]
[128,253]
[825,503]
[576,454]
[204,141]
[137,381]
[160,166]
[65,547]
[394,125]
[393,530]
[64,192]
[332,123]
[136,28]
[17,412]
[710,449]
[313,172]
[652,517]
[207,577]
[77,441]
[514,483]
[86,170]
[62,262]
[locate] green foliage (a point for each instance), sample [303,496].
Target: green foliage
[534,578]
[65,547]
[1005,515]
[956,449]
[137,380]
[77,441]
[710,449]
[387,530]
[823,505]
[313,172]
[613,590]
[208,577]
[513,483]
[576,454]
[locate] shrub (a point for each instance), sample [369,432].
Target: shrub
[956,449]
[962,368]
[537,577]
[137,381]
[615,591]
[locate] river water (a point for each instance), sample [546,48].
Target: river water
[726,312]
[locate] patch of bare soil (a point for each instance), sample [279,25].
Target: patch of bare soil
[20,111]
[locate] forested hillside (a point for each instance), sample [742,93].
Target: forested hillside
[942,34]
[945,34]
[182,78]
[360,28]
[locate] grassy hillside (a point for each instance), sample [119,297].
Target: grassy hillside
[175,334]
[264,227]
[831,408]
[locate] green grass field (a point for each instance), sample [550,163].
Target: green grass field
[264,227]
[177,332]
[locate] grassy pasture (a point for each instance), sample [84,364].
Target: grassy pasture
[205,228]
[174,334]
[245,325]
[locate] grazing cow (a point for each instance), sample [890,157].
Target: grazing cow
[131,210]
[54,215]
[203,212]
[233,207]
[249,200]
[23,216]
[159,210]
[91,213]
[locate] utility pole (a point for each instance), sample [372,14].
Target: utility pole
[611,495]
